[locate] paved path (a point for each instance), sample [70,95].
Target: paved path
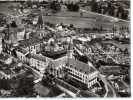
[108,84]
[126,85]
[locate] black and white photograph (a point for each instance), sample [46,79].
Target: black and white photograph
[65,49]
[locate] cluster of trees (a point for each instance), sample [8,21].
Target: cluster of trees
[110,9]
[83,58]
[55,6]
[5,84]
[23,86]
[94,6]
[2,19]
[73,7]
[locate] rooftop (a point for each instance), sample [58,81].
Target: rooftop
[37,56]
[21,50]
[83,67]
[60,61]
[29,42]
[87,94]
[54,54]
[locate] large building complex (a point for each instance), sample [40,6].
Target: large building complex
[79,52]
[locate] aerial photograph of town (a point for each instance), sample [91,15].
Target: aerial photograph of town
[65,48]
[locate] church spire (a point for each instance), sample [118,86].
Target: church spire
[40,21]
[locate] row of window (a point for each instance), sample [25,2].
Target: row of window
[80,76]
[92,82]
[76,72]
[22,58]
[37,62]
[35,47]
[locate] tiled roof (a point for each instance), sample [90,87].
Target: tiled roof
[83,67]
[54,55]
[60,61]
[38,57]
[29,42]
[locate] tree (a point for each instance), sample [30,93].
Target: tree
[4,84]
[94,6]
[55,6]
[126,51]
[84,59]
[25,88]
[14,53]
[120,11]
[111,10]
[73,7]
[29,3]
[101,28]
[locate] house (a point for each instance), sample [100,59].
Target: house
[33,45]
[55,67]
[74,69]
[21,54]
[38,62]
[84,73]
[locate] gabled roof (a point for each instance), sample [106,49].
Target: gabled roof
[54,54]
[82,67]
[60,61]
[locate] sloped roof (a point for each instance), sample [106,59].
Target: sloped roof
[82,67]
[60,61]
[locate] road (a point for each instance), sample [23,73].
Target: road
[38,75]
[108,85]
[109,89]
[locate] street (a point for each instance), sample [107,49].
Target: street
[110,89]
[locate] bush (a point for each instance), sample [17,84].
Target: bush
[25,87]
[55,6]
[4,84]
[73,7]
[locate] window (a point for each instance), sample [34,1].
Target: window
[86,77]
[21,57]
[78,74]
[38,63]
